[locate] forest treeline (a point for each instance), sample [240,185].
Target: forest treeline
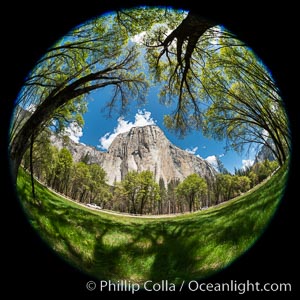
[138,193]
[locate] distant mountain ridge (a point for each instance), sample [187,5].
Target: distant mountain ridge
[140,149]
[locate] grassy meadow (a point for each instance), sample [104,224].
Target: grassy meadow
[190,246]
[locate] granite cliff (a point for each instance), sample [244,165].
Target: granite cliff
[142,148]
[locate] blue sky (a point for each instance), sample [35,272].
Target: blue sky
[98,126]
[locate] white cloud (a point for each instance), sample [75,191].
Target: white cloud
[247,163]
[74,132]
[204,147]
[221,155]
[142,118]
[265,134]
[31,108]
[191,151]
[216,32]
[212,159]
[138,38]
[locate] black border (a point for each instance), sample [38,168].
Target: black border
[31,269]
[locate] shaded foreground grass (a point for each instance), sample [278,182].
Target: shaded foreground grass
[191,246]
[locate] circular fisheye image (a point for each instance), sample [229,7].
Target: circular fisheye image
[150,144]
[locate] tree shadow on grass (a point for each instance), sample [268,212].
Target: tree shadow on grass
[157,250]
[174,249]
[154,252]
[176,256]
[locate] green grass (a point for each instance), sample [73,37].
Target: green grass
[191,246]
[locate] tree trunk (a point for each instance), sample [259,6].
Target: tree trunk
[46,109]
[190,30]
[142,205]
[31,166]
[133,204]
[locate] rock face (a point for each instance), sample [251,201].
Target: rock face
[140,149]
[265,153]
[80,152]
